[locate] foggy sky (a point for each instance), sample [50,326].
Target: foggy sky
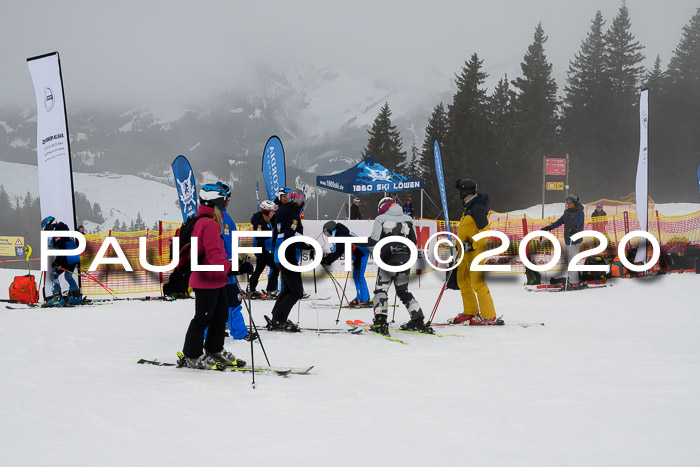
[169,54]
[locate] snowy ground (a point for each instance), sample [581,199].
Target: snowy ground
[612,379]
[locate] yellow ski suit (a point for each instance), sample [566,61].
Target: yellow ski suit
[476,297]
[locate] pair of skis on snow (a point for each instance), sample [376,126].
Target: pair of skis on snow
[281,371]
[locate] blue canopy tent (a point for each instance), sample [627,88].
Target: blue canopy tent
[368,176]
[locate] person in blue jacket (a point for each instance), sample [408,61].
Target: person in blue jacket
[360,255]
[572,220]
[62,265]
[236,323]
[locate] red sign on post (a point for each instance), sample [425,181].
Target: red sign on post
[555,166]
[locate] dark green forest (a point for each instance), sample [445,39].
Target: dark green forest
[499,139]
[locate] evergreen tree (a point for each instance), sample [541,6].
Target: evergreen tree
[585,132]
[654,80]
[436,130]
[97,214]
[623,60]
[680,119]
[139,224]
[501,121]
[467,152]
[535,123]
[5,206]
[384,144]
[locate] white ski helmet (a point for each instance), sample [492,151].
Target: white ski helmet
[268,205]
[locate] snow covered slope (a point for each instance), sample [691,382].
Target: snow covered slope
[612,379]
[121,197]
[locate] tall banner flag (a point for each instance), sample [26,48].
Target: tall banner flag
[257,194]
[699,179]
[441,183]
[52,141]
[273,167]
[186,187]
[642,186]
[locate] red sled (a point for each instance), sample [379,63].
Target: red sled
[24,290]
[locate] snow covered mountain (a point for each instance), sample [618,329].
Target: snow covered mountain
[322,126]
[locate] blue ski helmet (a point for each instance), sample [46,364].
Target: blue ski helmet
[212,194]
[48,223]
[225,187]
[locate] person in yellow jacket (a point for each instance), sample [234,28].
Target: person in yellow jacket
[476,297]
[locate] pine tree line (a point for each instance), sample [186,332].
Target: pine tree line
[22,217]
[500,139]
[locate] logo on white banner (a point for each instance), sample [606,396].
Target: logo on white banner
[48,98]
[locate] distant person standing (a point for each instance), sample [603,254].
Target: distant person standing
[355,213]
[572,220]
[408,207]
[395,199]
[262,221]
[599,212]
[287,224]
[599,224]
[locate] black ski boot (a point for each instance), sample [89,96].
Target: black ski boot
[287,326]
[417,325]
[380,325]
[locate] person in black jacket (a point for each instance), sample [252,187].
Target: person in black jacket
[572,220]
[408,207]
[287,224]
[360,255]
[261,221]
[355,213]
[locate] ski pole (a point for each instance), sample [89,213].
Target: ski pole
[91,277]
[393,314]
[110,291]
[318,326]
[333,282]
[568,257]
[250,319]
[338,284]
[337,319]
[254,327]
[437,302]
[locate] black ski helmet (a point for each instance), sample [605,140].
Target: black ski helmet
[329,226]
[212,194]
[571,199]
[466,187]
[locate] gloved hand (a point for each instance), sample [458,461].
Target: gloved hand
[245,268]
[312,254]
[468,245]
[546,228]
[324,261]
[572,230]
[55,264]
